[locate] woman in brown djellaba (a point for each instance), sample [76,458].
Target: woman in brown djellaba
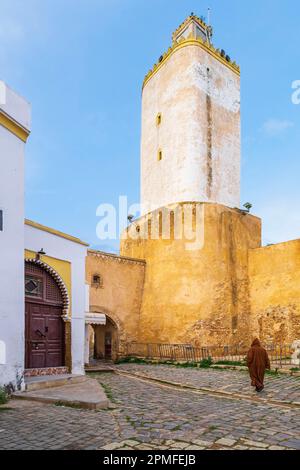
[257,362]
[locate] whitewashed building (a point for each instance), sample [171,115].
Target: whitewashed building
[42,271]
[14,130]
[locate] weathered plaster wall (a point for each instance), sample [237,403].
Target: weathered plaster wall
[199,135]
[12,150]
[274,274]
[198,296]
[121,293]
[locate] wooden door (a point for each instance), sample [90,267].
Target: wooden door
[44,327]
[108,345]
[44,336]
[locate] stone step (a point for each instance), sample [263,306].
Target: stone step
[87,394]
[49,381]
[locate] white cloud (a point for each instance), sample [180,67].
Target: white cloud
[275,127]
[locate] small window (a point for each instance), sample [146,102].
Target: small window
[159,155]
[33,287]
[97,280]
[158,119]
[1,220]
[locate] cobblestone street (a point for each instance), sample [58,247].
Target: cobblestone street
[278,387]
[146,415]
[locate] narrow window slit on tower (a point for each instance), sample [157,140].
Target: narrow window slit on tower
[159,155]
[158,119]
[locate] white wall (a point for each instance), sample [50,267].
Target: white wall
[199,101]
[12,243]
[75,253]
[16,107]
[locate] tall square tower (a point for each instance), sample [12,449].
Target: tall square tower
[190,145]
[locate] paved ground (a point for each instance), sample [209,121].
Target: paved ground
[87,393]
[278,387]
[149,416]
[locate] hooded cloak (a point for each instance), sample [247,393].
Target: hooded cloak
[257,362]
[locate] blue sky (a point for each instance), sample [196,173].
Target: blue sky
[81,64]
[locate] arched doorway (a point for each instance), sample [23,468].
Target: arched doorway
[44,325]
[103,340]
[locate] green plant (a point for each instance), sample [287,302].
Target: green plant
[248,206]
[68,405]
[272,372]
[213,428]
[187,364]
[132,360]
[131,422]
[210,428]
[108,392]
[3,396]
[206,363]
[230,363]
[177,428]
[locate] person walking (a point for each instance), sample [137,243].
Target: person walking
[257,361]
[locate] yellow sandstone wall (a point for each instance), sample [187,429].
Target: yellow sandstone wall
[274,274]
[199,296]
[225,292]
[120,295]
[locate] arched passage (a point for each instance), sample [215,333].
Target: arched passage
[46,306]
[103,340]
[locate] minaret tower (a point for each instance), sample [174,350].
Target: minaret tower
[190,146]
[193,293]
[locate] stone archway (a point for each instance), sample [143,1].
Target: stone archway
[58,280]
[46,311]
[104,339]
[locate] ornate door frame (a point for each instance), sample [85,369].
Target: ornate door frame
[56,300]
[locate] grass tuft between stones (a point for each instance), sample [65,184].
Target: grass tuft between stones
[3,396]
[68,405]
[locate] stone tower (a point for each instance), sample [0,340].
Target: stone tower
[190,148]
[191,177]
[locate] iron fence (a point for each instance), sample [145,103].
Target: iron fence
[279,354]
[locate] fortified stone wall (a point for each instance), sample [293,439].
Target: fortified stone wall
[119,295]
[274,274]
[224,292]
[197,296]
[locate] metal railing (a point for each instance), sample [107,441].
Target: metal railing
[279,354]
